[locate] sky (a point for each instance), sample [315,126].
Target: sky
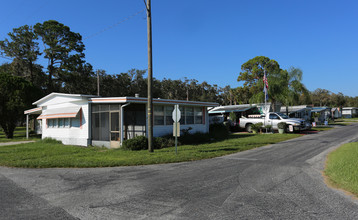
[208,40]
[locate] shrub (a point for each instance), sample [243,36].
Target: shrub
[163,142]
[141,143]
[232,116]
[218,131]
[256,127]
[268,128]
[137,143]
[281,125]
[186,131]
[196,138]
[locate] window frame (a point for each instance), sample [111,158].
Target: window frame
[186,112]
[157,116]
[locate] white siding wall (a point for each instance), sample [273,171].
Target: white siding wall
[71,135]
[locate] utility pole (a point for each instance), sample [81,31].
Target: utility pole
[150,77]
[97,82]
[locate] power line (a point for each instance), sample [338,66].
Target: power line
[116,24]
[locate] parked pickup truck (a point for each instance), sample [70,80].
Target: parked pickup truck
[273,118]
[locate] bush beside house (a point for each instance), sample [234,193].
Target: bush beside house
[217,132]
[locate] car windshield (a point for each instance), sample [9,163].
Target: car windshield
[283,115]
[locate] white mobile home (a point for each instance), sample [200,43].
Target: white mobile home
[90,120]
[349,112]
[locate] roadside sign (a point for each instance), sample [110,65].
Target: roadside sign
[176,125]
[176,114]
[176,129]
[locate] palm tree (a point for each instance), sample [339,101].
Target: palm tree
[291,87]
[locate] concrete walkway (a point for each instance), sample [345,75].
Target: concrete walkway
[14,143]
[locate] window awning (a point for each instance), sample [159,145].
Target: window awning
[69,112]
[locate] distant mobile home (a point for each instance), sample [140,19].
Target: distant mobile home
[349,112]
[221,113]
[336,113]
[300,111]
[324,113]
[90,120]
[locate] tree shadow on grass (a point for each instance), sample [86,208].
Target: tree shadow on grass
[240,136]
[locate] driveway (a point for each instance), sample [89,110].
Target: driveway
[281,181]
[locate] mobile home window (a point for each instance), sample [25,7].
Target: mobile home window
[55,123]
[66,122]
[169,115]
[60,123]
[50,123]
[75,122]
[182,115]
[189,115]
[198,115]
[158,115]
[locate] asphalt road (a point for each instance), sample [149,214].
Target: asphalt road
[281,181]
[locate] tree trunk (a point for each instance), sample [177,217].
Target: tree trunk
[31,73]
[287,110]
[8,130]
[50,74]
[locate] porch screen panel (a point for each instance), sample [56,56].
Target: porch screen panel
[115,121]
[104,126]
[95,126]
[100,123]
[134,121]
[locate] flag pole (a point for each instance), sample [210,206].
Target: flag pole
[265,90]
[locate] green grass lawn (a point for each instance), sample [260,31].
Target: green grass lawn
[321,128]
[344,121]
[46,153]
[349,119]
[19,135]
[342,167]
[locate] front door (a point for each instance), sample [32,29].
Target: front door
[115,129]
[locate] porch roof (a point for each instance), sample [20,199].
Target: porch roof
[319,109]
[297,108]
[231,108]
[33,111]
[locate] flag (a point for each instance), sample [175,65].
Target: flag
[265,81]
[265,86]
